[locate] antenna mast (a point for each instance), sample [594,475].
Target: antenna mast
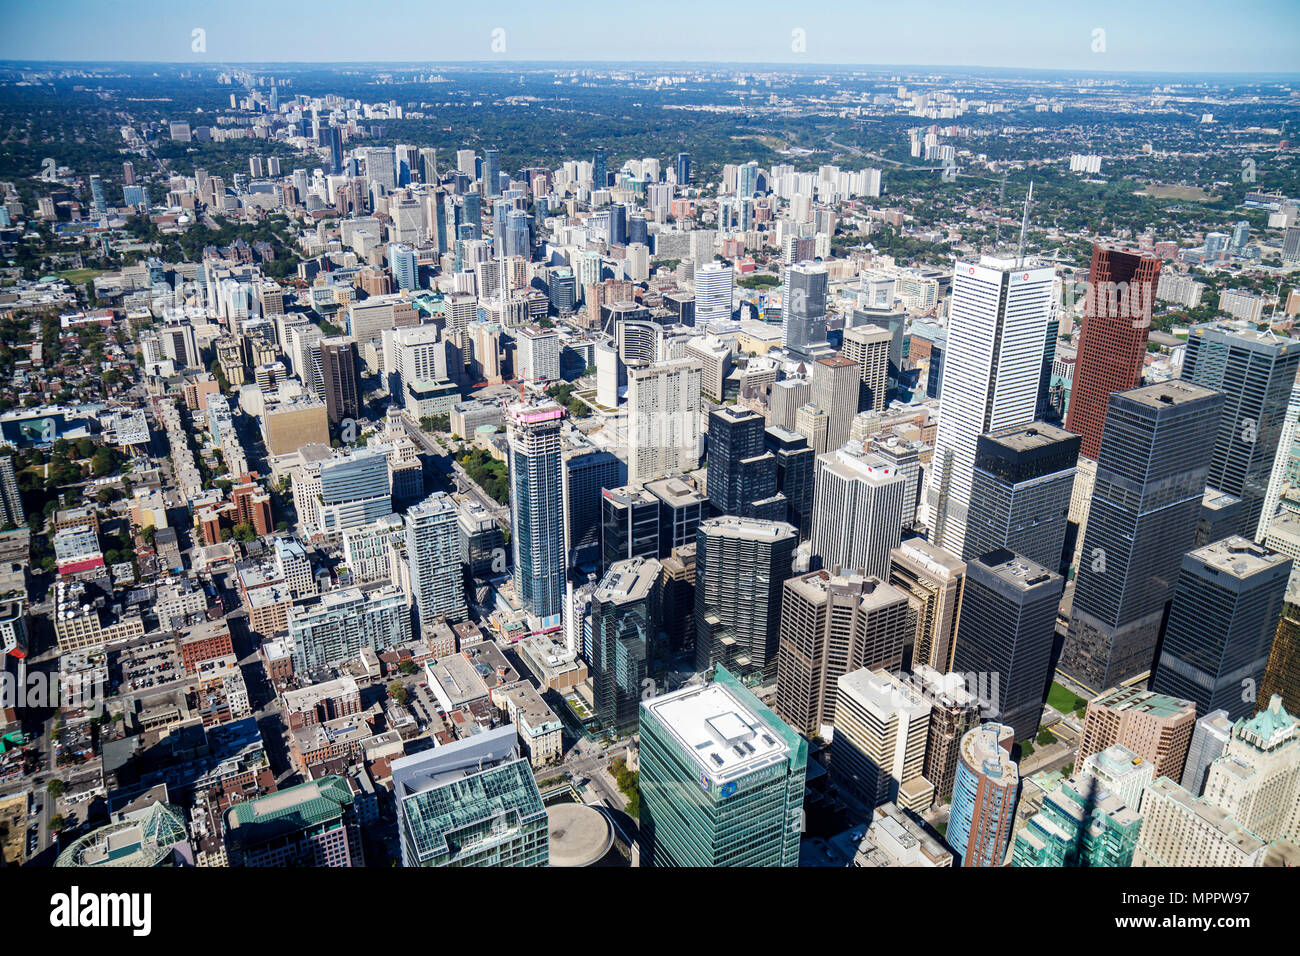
[1024,226]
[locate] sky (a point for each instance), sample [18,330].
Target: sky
[1207,36]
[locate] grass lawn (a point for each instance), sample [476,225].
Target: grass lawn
[1064,700]
[80,276]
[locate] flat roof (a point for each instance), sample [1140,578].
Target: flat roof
[719,731]
[1239,557]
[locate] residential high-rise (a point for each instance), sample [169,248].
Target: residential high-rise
[835,389]
[832,624]
[714,289]
[742,473]
[857,517]
[933,581]
[328,629]
[624,620]
[629,525]
[1257,780]
[1145,504]
[882,725]
[1256,372]
[954,711]
[721,779]
[868,346]
[1120,771]
[984,797]
[996,339]
[1020,493]
[11,502]
[599,175]
[473,802]
[1222,622]
[663,420]
[537,354]
[537,508]
[1113,341]
[1081,823]
[1209,741]
[1008,623]
[339,363]
[795,468]
[740,566]
[433,552]
[803,307]
[1155,727]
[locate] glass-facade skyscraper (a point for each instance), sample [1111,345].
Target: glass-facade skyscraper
[721,780]
[537,508]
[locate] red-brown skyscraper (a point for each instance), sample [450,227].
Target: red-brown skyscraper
[1116,320]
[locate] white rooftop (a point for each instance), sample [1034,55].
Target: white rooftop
[725,738]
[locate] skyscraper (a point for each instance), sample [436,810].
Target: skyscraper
[1113,341]
[1257,780]
[830,625]
[996,338]
[624,620]
[599,175]
[1224,616]
[954,711]
[1080,823]
[795,467]
[835,390]
[683,169]
[740,566]
[1209,741]
[1008,623]
[586,473]
[882,725]
[1150,481]
[433,551]
[491,163]
[933,581]
[1282,675]
[536,508]
[984,796]
[339,363]
[629,525]
[1256,372]
[857,517]
[742,473]
[803,307]
[1155,727]
[1020,492]
[868,346]
[663,416]
[714,287]
[721,779]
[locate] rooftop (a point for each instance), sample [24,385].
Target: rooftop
[724,737]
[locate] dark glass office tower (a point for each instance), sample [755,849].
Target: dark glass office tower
[1255,371]
[339,361]
[586,475]
[1020,493]
[795,462]
[491,163]
[629,525]
[1155,452]
[624,621]
[681,509]
[683,169]
[599,177]
[1221,625]
[740,566]
[1008,623]
[618,224]
[741,471]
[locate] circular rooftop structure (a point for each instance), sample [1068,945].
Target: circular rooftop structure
[579,835]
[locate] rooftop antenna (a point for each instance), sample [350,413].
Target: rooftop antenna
[1002,199]
[1024,226]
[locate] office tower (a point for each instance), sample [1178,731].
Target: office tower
[312,824]
[742,473]
[813,424]
[1150,480]
[623,618]
[721,779]
[427,167]
[868,347]
[905,456]
[1008,623]
[1221,625]
[334,139]
[403,266]
[473,802]
[355,490]
[1020,492]
[835,386]
[803,307]
[1220,517]
[1113,341]
[1155,727]
[433,552]
[617,224]
[934,581]
[1120,771]
[328,629]
[1282,675]
[795,466]
[1179,829]
[857,516]
[629,525]
[996,325]
[585,475]
[984,796]
[11,502]
[740,565]
[832,624]
[714,287]
[954,711]
[381,167]
[599,174]
[681,509]
[1256,372]
[785,399]
[1257,780]
[1080,823]
[339,364]
[491,163]
[683,169]
[663,419]
[1209,741]
[878,751]
[536,508]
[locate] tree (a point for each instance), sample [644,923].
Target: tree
[55,788]
[397,690]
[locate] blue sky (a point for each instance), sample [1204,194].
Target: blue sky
[1139,35]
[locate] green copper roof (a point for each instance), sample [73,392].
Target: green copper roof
[1270,721]
[297,808]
